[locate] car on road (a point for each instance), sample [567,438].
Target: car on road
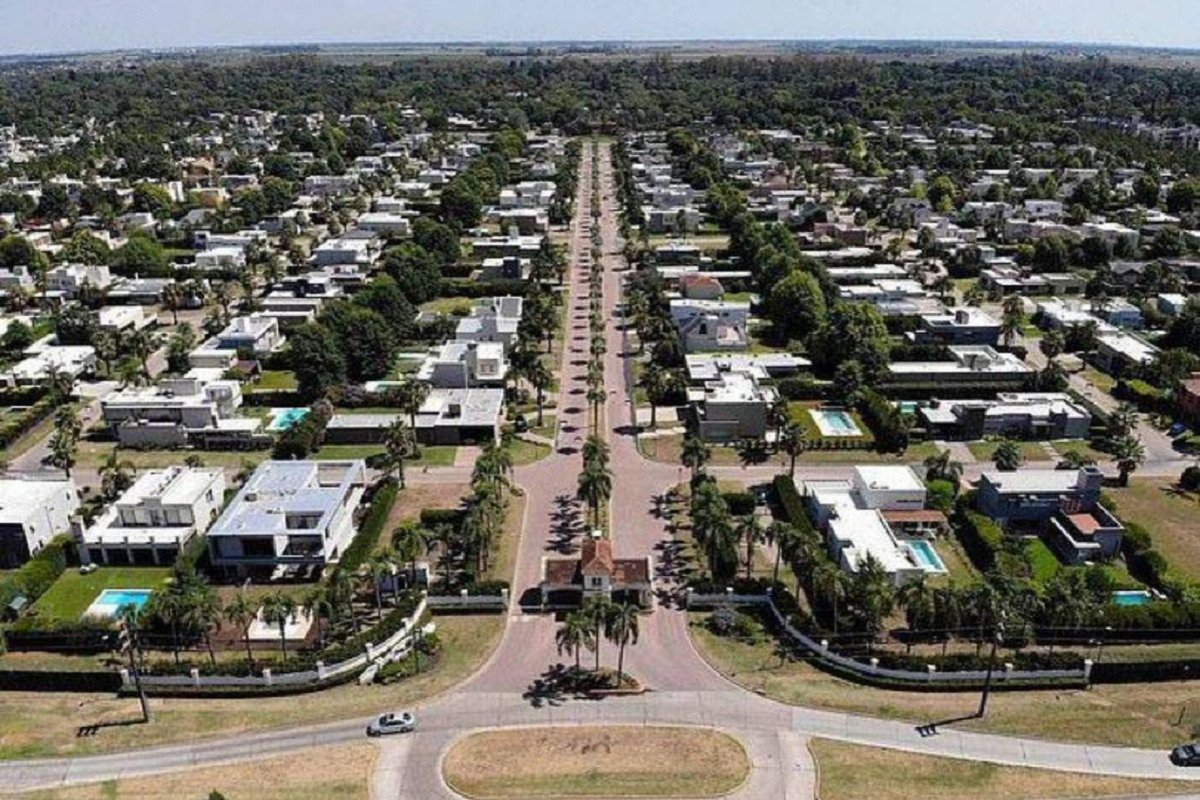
[1186,755]
[389,723]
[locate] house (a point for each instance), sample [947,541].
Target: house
[289,519]
[973,365]
[384,223]
[331,185]
[197,408]
[733,406]
[1172,304]
[70,278]
[567,582]
[1117,351]
[155,518]
[684,219]
[1061,505]
[507,246]
[466,364]
[221,258]
[46,358]
[675,253]
[1188,398]
[495,319]
[711,324]
[447,417]
[878,513]
[120,319]
[32,512]
[965,326]
[359,251]
[698,286]
[705,367]
[1018,415]
[258,335]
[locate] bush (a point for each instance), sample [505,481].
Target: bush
[940,495]
[371,528]
[740,504]
[886,421]
[981,537]
[802,389]
[791,503]
[432,517]
[38,573]
[727,621]
[1190,479]
[14,428]
[304,437]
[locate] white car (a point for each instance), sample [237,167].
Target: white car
[404,722]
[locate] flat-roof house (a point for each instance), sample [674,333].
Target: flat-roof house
[975,365]
[155,518]
[447,417]
[595,572]
[1117,351]
[290,518]
[358,251]
[967,325]
[255,334]
[384,223]
[32,512]
[1019,415]
[46,358]
[461,365]
[494,319]
[197,408]
[70,278]
[711,324]
[732,406]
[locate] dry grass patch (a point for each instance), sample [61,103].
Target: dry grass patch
[1171,517]
[1152,715]
[596,762]
[853,772]
[341,772]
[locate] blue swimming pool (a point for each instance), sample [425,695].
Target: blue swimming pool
[284,418]
[835,423]
[1131,598]
[110,601]
[926,556]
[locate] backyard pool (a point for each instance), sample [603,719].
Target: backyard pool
[926,556]
[109,602]
[1131,598]
[284,418]
[831,422]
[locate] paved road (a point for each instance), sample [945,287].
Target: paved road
[684,690]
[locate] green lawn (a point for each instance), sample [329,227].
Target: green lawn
[800,412]
[448,305]
[1101,380]
[431,456]
[1171,517]
[1045,563]
[72,593]
[1030,451]
[524,452]
[273,380]
[1080,446]
[94,454]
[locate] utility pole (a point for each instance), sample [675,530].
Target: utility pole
[997,633]
[132,644]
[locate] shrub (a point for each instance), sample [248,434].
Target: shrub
[1190,479]
[740,503]
[981,537]
[371,528]
[38,573]
[801,389]
[792,504]
[886,421]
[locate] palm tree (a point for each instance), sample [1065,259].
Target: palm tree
[539,378]
[398,445]
[720,548]
[1008,456]
[575,634]
[596,610]
[341,595]
[695,454]
[410,542]
[173,298]
[278,609]
[1129,454]
[379,568]
[240,612]
[794,443]
[169,607]
[830,584]
[115,475]
[1013,320]
[918,601]
[318,603]
[622,629]
[411,395]
[779,415]
[595,488]
[782,537]
[750,534]
[1122,421]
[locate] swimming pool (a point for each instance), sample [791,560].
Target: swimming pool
[284,418]
[110,601]
[926,556]
[831,422]
[1131,598]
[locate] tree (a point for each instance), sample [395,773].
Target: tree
[1183,196]
[152,199]
[84,248]
[365,339]
[317,360]
[1123,421]
[399,445]
[204,612]
[917,599]
[797,306]
[848,383]
[574,635]
[595,488]
[116,475]
[829,583]
[141,256]
[65,439]
[622,629]
[1145,190]
[461,203]
[1129,453]
[1052,344]
[17,337]
[415,270]
[751,535]
[319,605]
[278,608]
[695,454]
[240,612]
[794,444]
[539,378]
[1008,456]
[1013,320]
[384,296]
[943,467]
[596,610]
[179,346]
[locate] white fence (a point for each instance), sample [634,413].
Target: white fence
[371,654]
[868,670]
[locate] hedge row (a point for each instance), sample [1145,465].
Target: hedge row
[371,528]
[467,287]
[969,662]
[38,573]
[14,428]
[802,389]
[885,420]
[788,497]
[981,537]
[30,680]
[740,504]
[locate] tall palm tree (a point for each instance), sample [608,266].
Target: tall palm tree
[794,442]
[654,381]
[410,542]
[1013,319]
[695,454]
[170,607]
[399,445]
[778,415]
[830,584]
[575,634]
[203,612]
[918,601]
[341,594]
[750,534]
[1129,454]
[539,378]
[622,628]
[278,608]
[411,396]
[1007,456]
[319,604]
[240,612]
[943,467]
[596,610]
[378,569]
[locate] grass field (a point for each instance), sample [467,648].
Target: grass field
[36,724]
[1101,380]
[94,454]
[342,772]
[1081,447]
[72,593]
[458,306]
[596,762]
[1172,518]
[1135,715]
[854,772]
[275,380]
[524,452]
[431,455]
[1030,451]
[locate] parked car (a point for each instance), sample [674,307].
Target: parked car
[1186,755]
[389,723]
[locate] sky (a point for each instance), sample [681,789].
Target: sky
[47,26]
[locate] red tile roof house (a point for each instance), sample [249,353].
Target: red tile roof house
[566,582]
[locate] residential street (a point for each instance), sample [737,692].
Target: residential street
[684,690]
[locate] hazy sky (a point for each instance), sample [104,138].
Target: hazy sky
[33,26]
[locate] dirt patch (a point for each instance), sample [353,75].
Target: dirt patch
[342,772]
[596,762]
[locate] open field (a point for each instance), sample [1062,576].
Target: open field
[275,380]
[431,455]
[1172,519]
[38,724]
[72,593]
[596,762]
[341,772]
[1136,715]
[853,772]
[94,454]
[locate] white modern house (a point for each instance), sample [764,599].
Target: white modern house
[257,334]
[198,406]
[970,364]
[291,517]
[711,325]
[880,512]
[495,319]
[732,406]
[46,358]
[155,518]
[32,512]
